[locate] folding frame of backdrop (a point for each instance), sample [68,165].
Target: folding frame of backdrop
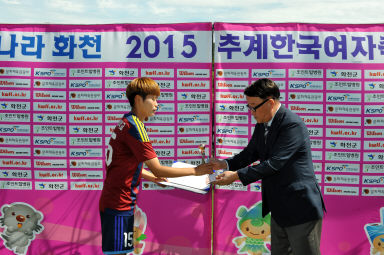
[332,77]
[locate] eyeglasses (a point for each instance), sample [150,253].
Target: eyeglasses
[253,109]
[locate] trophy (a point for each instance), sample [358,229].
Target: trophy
[211,177]
[202,152]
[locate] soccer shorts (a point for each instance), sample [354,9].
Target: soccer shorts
[117,231]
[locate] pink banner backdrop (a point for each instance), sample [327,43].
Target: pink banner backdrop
[331,76]
[62,92]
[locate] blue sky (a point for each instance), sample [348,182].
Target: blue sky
[180,11]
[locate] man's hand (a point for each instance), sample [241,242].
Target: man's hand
[202,169]
[217,163]
[226,178]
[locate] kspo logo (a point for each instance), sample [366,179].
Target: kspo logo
[79,153]
[14,129]
[7,130]
[299,85]
[373,180]
[44,141]
[345,97]
[83,84]
[188,119]
[226,130]
[374,110]
[337,98]
[45,73]
[119,96]
[233,130]
[335,168]
[86,153]
[51,72]
[263,74]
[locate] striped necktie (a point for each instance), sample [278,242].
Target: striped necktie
[267,128]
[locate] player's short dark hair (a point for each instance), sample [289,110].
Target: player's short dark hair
[142,86]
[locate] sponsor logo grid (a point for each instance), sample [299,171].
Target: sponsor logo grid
[55,123]
[73,109]
[342,109]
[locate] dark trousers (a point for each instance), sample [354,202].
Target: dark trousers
[302,239]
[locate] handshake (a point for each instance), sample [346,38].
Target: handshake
[208,168]
[159,173]
[225,178]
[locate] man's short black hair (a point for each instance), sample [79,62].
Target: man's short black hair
[263,88]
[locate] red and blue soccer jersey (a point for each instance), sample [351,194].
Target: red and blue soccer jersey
[128,148]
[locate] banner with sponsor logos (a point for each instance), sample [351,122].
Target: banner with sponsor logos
[62,93]
[330,75]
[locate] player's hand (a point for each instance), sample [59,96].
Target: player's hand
[217,163]
[202,169]
[157,180]
[160,179]
[226,178]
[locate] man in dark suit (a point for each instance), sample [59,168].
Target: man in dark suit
[289,187]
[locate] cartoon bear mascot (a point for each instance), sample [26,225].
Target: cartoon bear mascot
[20,222]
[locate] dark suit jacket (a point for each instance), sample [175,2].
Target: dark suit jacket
[289,187]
